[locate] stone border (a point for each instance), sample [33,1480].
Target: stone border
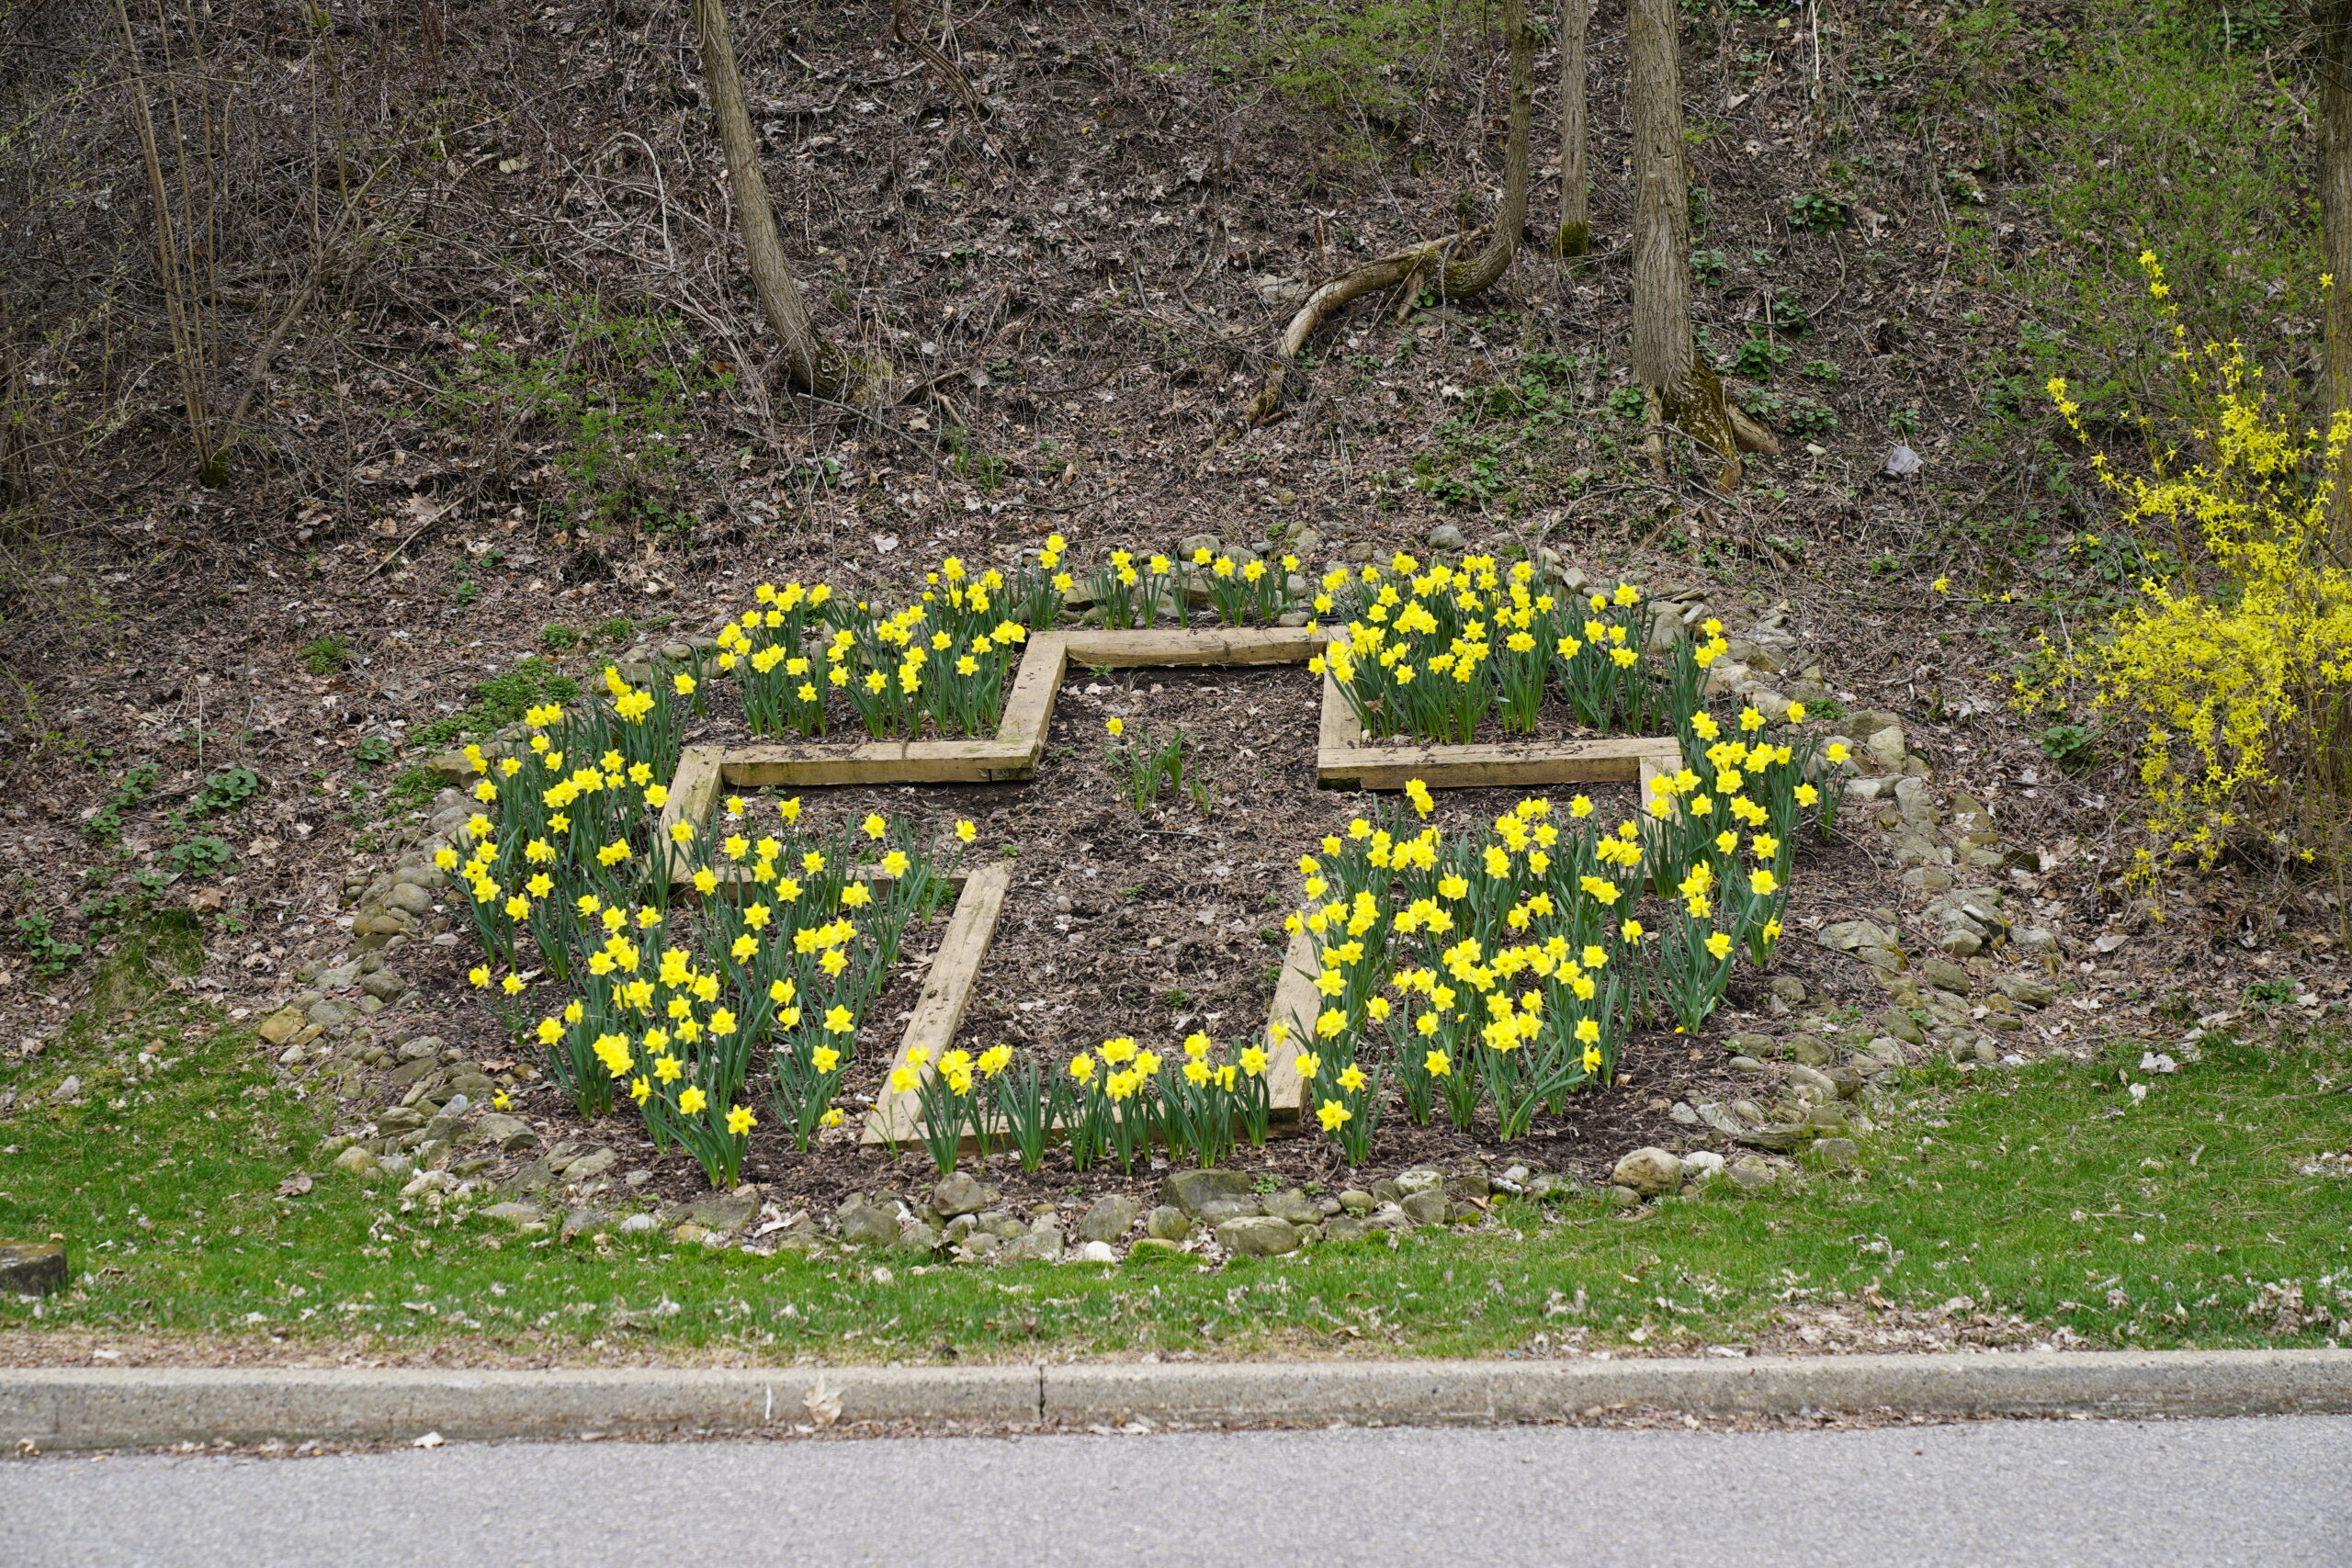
[133,1407]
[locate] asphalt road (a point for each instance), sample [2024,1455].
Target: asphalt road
[2276,1491]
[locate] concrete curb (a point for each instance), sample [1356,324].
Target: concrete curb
[81,1407]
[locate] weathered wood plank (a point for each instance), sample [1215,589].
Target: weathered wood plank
[1207,645]
[878,762]
[1615,760]
[1295,1003]
[946,992]
[693,791]
[1029,706]
[1336,729]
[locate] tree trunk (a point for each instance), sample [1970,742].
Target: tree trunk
[1576,181]
[814,364]
[1482,271]
[2333,21]
[1680,391]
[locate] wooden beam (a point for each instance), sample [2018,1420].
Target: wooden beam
[694,789]
[1207,645]
[1295,1004]
[808,765]
[946,992]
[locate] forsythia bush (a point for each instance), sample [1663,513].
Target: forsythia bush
[2229,680]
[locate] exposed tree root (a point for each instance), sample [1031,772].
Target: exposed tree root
[1405,266]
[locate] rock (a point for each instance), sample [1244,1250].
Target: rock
[409,898]
[595,1162]
[868,1225]
[960,1192]
[1427,1207]
[636,1225]
[424,1048]
[1109,1220]
[384,986]
[1193,1190]
[1293,1205]
[1852,936]
[1957,942]
[1094,1252]
[1886,1050]
[1420,1179]
[1900,1025]
[1750,1173]
[1809,1052]
[1649,1172]
[721,1212]
[1346,1227]
[513,1213]
[1151,1248]
[358,1159]
[1889,959]
[1043,1245]
[31,1268]
[1701,1165]
[282,1025]
[1356,1202]
[1946,975]
[509,1132]
[1682,1113]
[1788,988]
[1834,1154]
[1214,1214]
[2025,992]
[1167,1222]
[1811,1080]
[1192,544]
[1260,1236]
[1747,1064]
[70,1089]
[326,1014]
[1446,537]
[1623,1198]
[1886,748]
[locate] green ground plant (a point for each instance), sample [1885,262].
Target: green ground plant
[614,390]
[501,700]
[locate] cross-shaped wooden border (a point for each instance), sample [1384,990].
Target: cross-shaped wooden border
[1344,759]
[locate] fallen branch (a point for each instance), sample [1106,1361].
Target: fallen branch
[950,74]
[1402,266]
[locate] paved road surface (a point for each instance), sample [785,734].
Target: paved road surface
[2275,1493]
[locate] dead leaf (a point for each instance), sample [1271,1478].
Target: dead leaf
[824,1403]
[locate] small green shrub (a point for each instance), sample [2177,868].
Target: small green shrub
[1708,267]
[327,655]
[224,792]
[1821,370]
[1759,359]
[560,637]
[1819,211]
[201,856]
[501,700]
[1809,418]
[49,955]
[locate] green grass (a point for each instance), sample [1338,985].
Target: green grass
[501,701]
[2050,1194]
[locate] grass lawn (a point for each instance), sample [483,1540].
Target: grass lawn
[2060,1207]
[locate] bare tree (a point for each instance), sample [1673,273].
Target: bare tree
[1681,387]
[813,362]
[2332,22]
[1576,180]
[1406,269]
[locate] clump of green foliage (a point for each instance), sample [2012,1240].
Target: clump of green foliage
[614,391]
[500,701]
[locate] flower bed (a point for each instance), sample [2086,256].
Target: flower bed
[714,1015]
